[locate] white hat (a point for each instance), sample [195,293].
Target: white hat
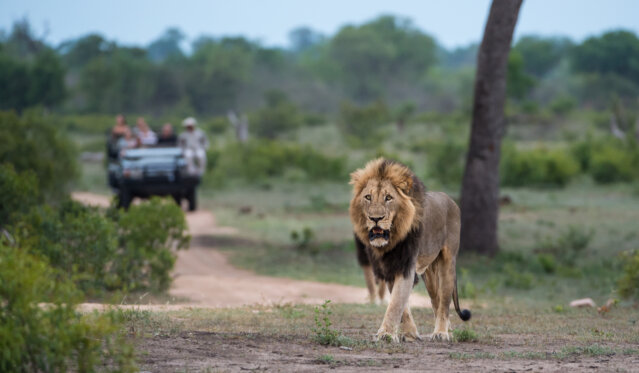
[190,121]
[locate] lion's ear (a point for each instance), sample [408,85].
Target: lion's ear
[356,176]
[406,184]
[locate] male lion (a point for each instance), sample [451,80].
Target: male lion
[407,231]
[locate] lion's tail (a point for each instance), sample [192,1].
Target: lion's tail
[463,314]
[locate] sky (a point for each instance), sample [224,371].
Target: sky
[453,23]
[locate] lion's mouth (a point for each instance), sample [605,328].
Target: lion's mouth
[378,232]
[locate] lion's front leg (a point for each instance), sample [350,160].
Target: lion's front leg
[400,292]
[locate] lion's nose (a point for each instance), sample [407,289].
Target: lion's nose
[376,220]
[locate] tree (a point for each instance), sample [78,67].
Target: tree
[167,46]
[480,185]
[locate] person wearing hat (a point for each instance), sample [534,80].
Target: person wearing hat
[194,143]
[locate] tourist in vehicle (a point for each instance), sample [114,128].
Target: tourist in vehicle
[194,142]
[167,136]
[146,136]
[127,141]
[120,127]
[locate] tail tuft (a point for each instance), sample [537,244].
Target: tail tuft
[465,315]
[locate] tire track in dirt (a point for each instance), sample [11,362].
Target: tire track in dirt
[205,279]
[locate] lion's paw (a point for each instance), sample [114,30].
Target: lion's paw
[439,337]
[384,336]
[411,337]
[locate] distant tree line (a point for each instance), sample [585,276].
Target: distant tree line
[385,60]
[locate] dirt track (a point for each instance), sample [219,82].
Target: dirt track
[204,277]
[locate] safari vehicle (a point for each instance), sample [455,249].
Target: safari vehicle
[146,172]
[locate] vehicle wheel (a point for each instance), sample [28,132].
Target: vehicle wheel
[178,199]
[191,196]
[124,198]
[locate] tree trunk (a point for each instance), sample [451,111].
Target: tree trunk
[480,186]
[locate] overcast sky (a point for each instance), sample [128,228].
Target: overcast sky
[452,22]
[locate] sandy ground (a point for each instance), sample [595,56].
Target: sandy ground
[204,278]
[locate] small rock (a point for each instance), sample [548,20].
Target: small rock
[345,348]
[585,302]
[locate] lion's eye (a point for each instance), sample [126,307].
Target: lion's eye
[368,197]
[388,197]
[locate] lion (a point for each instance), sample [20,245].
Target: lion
[406,232]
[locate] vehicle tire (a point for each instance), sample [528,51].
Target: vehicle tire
[191,196]
[124,198]
[178,199]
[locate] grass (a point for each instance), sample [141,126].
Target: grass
[503,331]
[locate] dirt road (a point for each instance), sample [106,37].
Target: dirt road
[204,277]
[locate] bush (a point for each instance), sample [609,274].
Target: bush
[261,159]
[629,281]
[149,233]
[612,164]
[278,117]
[75,239]
[446,162]
[32,144]
[52,337]
[536,167]
[18,192]
[569,245]
[362,125]
[563,105]
[130,250]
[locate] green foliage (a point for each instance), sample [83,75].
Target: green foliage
[628,283]
[563,105]
[615,52]
[536,167]
[303,240]
[465,335]
[446,161]
[149,233]
[518,82]
[31,74]
[75,239]
[370,55]
[541,55]
[517,279]
[29,143]
[261,159]
[278,117]
[52,337]
[569,245]
[18,192]
[612,164]
[363,125]
[324,334]
[128,250]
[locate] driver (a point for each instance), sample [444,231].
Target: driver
[194,143]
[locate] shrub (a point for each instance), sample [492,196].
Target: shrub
[52,337]
[536,167]
[75,239]
[18,192]
[516,279]
[149,233]
[30,143]
[569,245]
[277,117]
[261,159]
[465,335]
[563,105]
[628,283]
[446,161]
[362,125]
[324,334]
[612,164]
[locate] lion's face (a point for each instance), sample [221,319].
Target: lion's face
[378,201]
[381,210]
